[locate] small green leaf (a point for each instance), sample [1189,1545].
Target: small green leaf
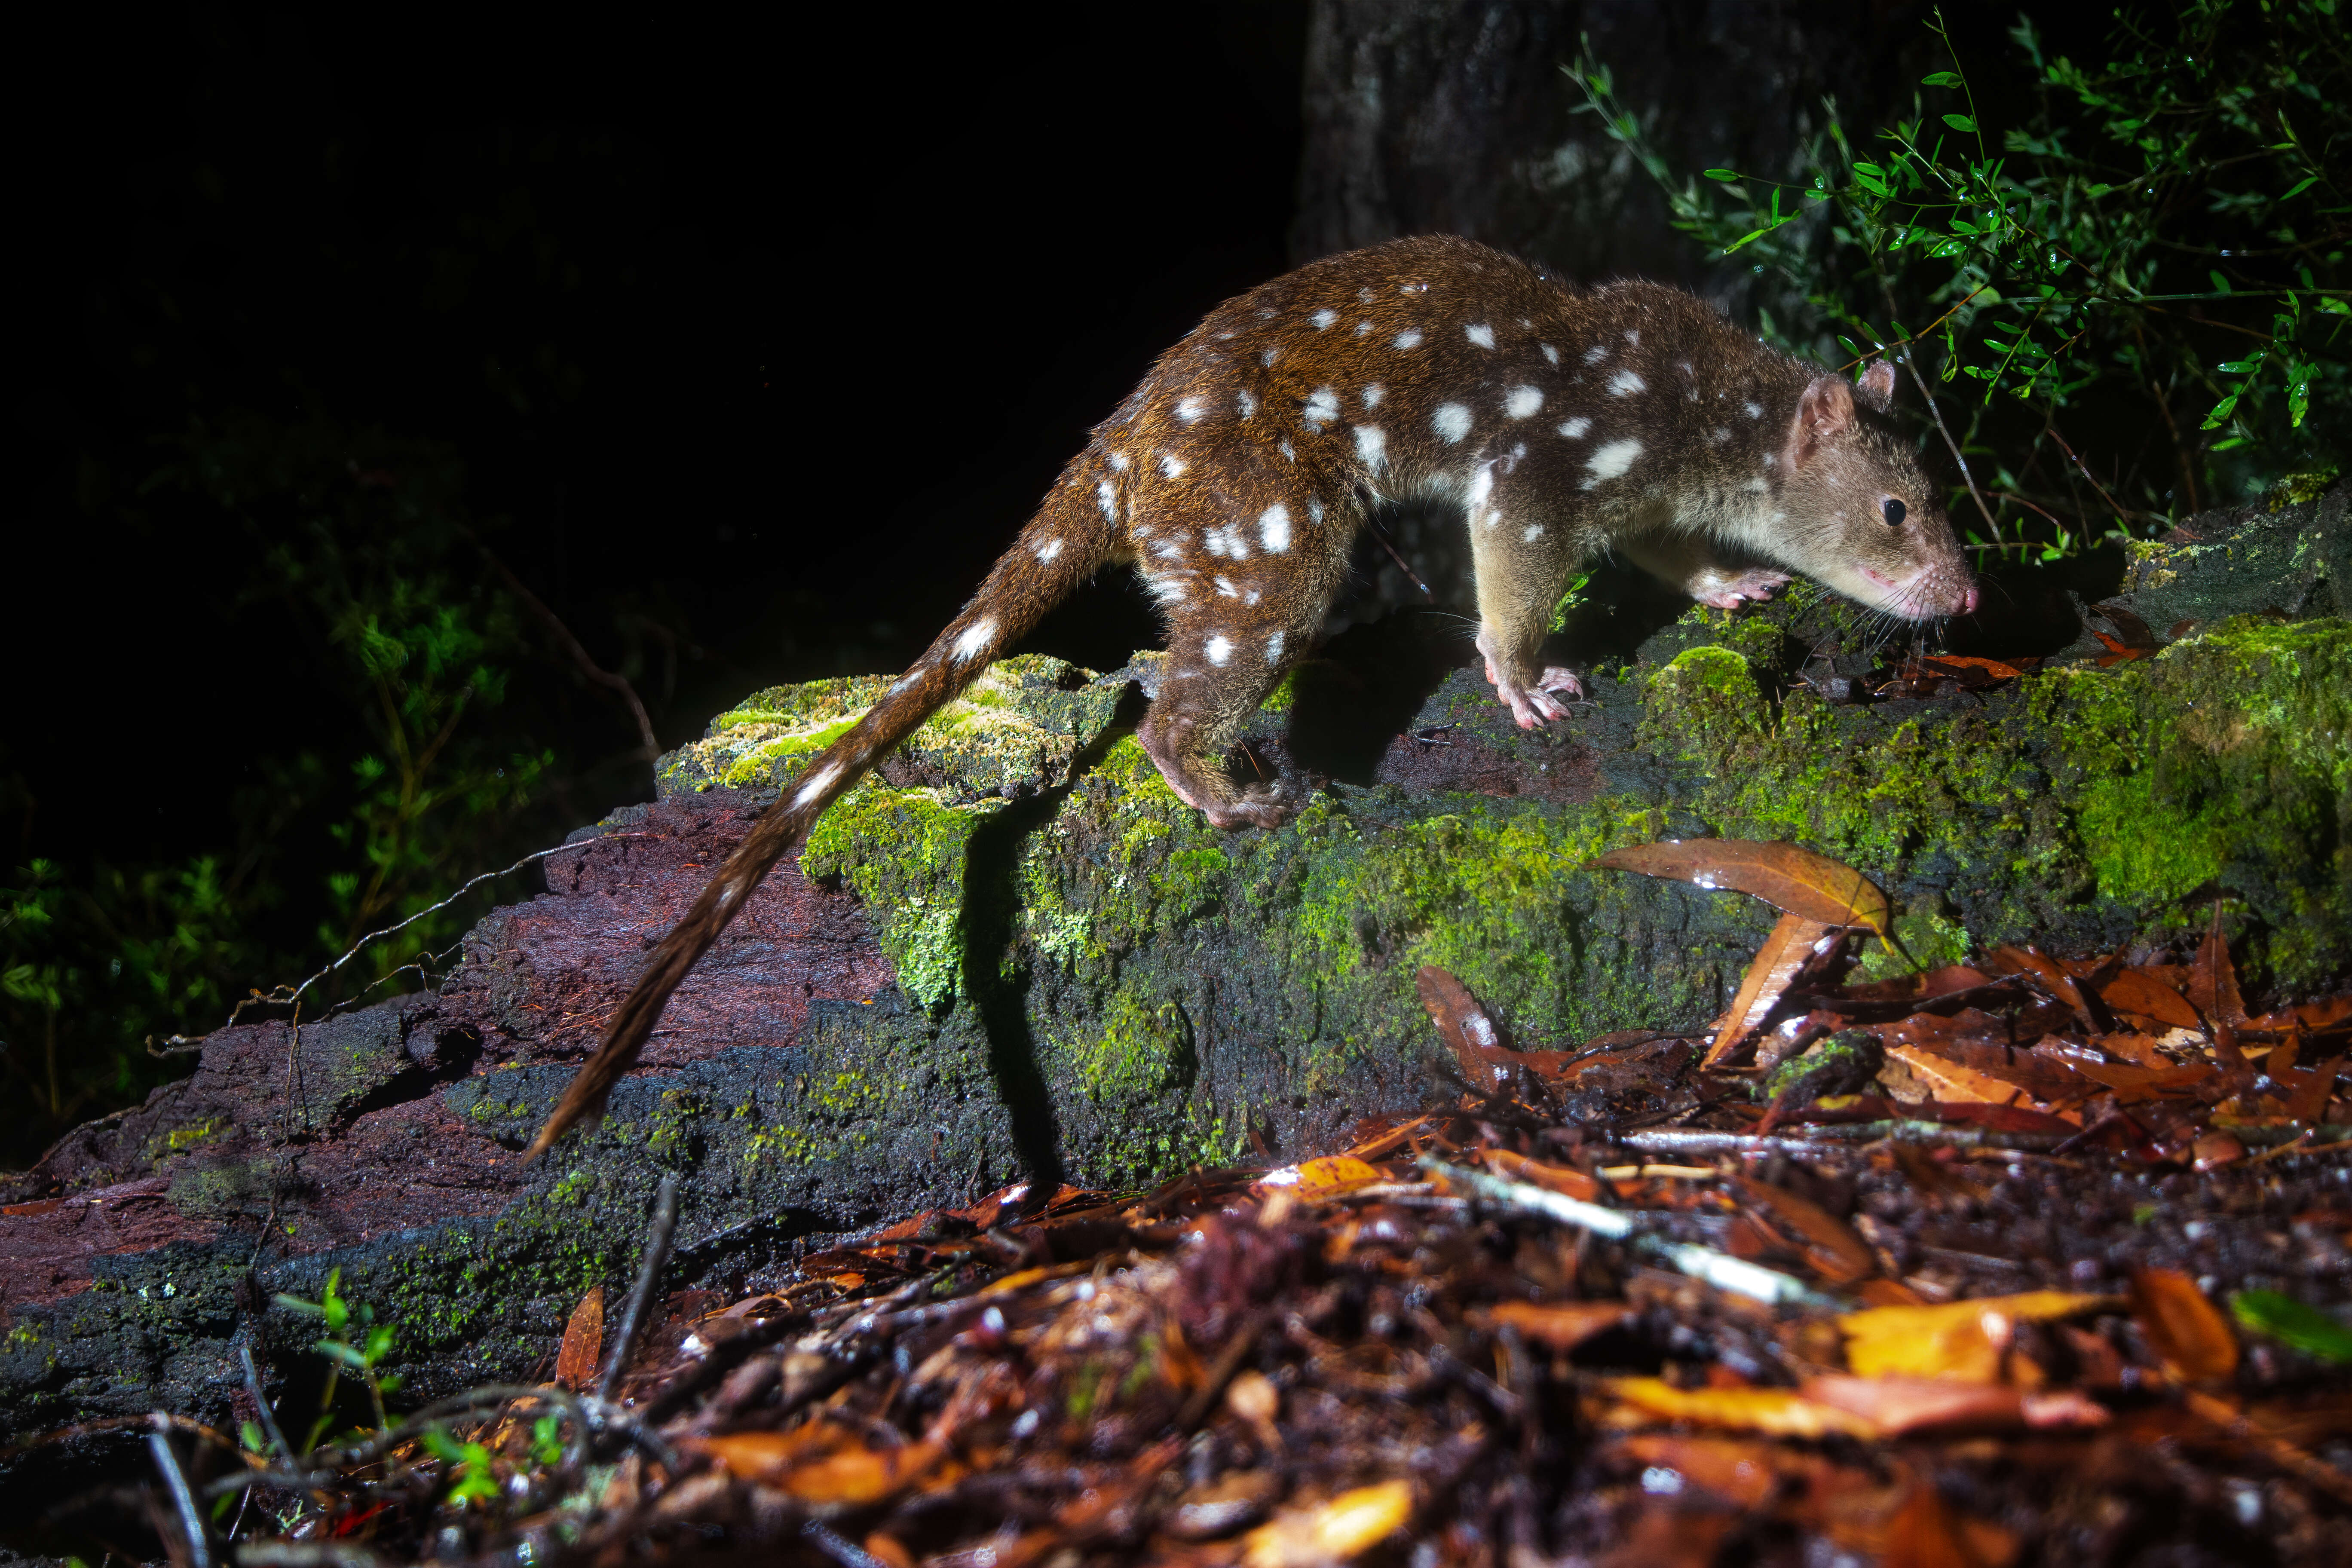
[1941,78]
[2291,1321]
[2309,181]
[1960,122]
[2220,284]
[2335,304]
[1723,173]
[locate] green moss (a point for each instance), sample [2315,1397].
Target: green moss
[903,851]
[1135,1053]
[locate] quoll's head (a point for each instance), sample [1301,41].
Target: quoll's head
[1861,512]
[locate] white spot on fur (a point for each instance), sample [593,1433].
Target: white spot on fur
[1596,353]
[1048,550]
[1323,318]
[1373,394]
[1171,465]
[1634,338]
[1322,406]
[1482,485]
[1363,329]
[1371,447]
[906,681]
[1269,356]
[1274,648]
[1755,410]
[817,786]
[1249,596]
[1118,461]
[1218,649]
[1759,486]
[1574,429]
[1522,402]
[1767,459]
[1314,508]
[1480,333]
[1190,409]
[1169,550]
[1284,447]
[1452,421]
[1533,532]
[1608,462]
[1718,435]
[1248,400]
[1551,354]
[1108,499]
[1273,529]
[1409,339]
[1227,541]
[1168,590]
[974,642]
[1625,382]
[1225,588]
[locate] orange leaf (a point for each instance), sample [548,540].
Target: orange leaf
[584,1338]
[1566,1180]
[1331,1532]
[2182,1326]
[1784,875]
[1782,1412]
[1769,977]
[1740,1469]
[1561,1325]
[1836,1253]
[1329,1177]
[1928,1533]
[764,1456]
[1951,1081]
[1960,1340]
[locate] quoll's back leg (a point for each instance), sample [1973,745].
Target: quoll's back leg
[1522,552]
[1218,672]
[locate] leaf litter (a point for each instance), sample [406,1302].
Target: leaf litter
[2032,1260]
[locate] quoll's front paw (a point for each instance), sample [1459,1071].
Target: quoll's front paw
[1533,707]
[1725,592]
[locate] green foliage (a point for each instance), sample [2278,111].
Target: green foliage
[407,773]
[2288,1320]
[354,1342]
[2153,256]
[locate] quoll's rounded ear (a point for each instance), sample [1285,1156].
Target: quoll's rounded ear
[1876,384]
[1823,412]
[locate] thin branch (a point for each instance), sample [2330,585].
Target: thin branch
[658,1240]
[612,679]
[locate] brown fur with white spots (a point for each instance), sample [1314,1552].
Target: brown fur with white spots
[1236,479]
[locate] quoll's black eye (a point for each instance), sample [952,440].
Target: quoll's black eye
[1893,510]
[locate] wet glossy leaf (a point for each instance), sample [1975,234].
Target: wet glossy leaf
[1563,1179]
[2213,979]
[1463,1025]
[584,1338]
[1784,875]
[1769,977]
[2182,1326]
[1782,1412]
[1331,1531]
[1836,1253]
[1960,1340]
[1329,1177]
[2289,1322]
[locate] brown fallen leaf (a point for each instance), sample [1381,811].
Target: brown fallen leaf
[2009,959]
[1775,966]
[1312,1181]
[1927,1532]
[1786,876]
[2182,1326]
[1465,1028]
[1898,1406]
[1561,1325]
[1958,1340]
[2213,979]
[1566,1180]
[1836,1253]
[2137,991]
[1781,1411]
[584,1341]
[1331,1532]
[1950,1082]
[1743,1470]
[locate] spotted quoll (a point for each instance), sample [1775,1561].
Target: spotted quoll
[1630,418]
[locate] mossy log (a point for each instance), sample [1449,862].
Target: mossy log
[1015,953]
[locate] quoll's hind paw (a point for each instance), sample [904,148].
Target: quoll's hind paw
[1253,808]
[1555,679]
[1757,585]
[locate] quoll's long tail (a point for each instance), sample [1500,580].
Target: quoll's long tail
[1070,538]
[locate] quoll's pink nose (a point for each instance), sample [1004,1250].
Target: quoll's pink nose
[1968,600]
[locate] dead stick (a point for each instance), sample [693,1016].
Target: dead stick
[657,1239]
[175,1481]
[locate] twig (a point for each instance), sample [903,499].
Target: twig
[571,644]
[1719,1269]
[2121,515]
[261,1402]
[658,1240]
[1897,1130]
[1903,352]
[175,1481]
